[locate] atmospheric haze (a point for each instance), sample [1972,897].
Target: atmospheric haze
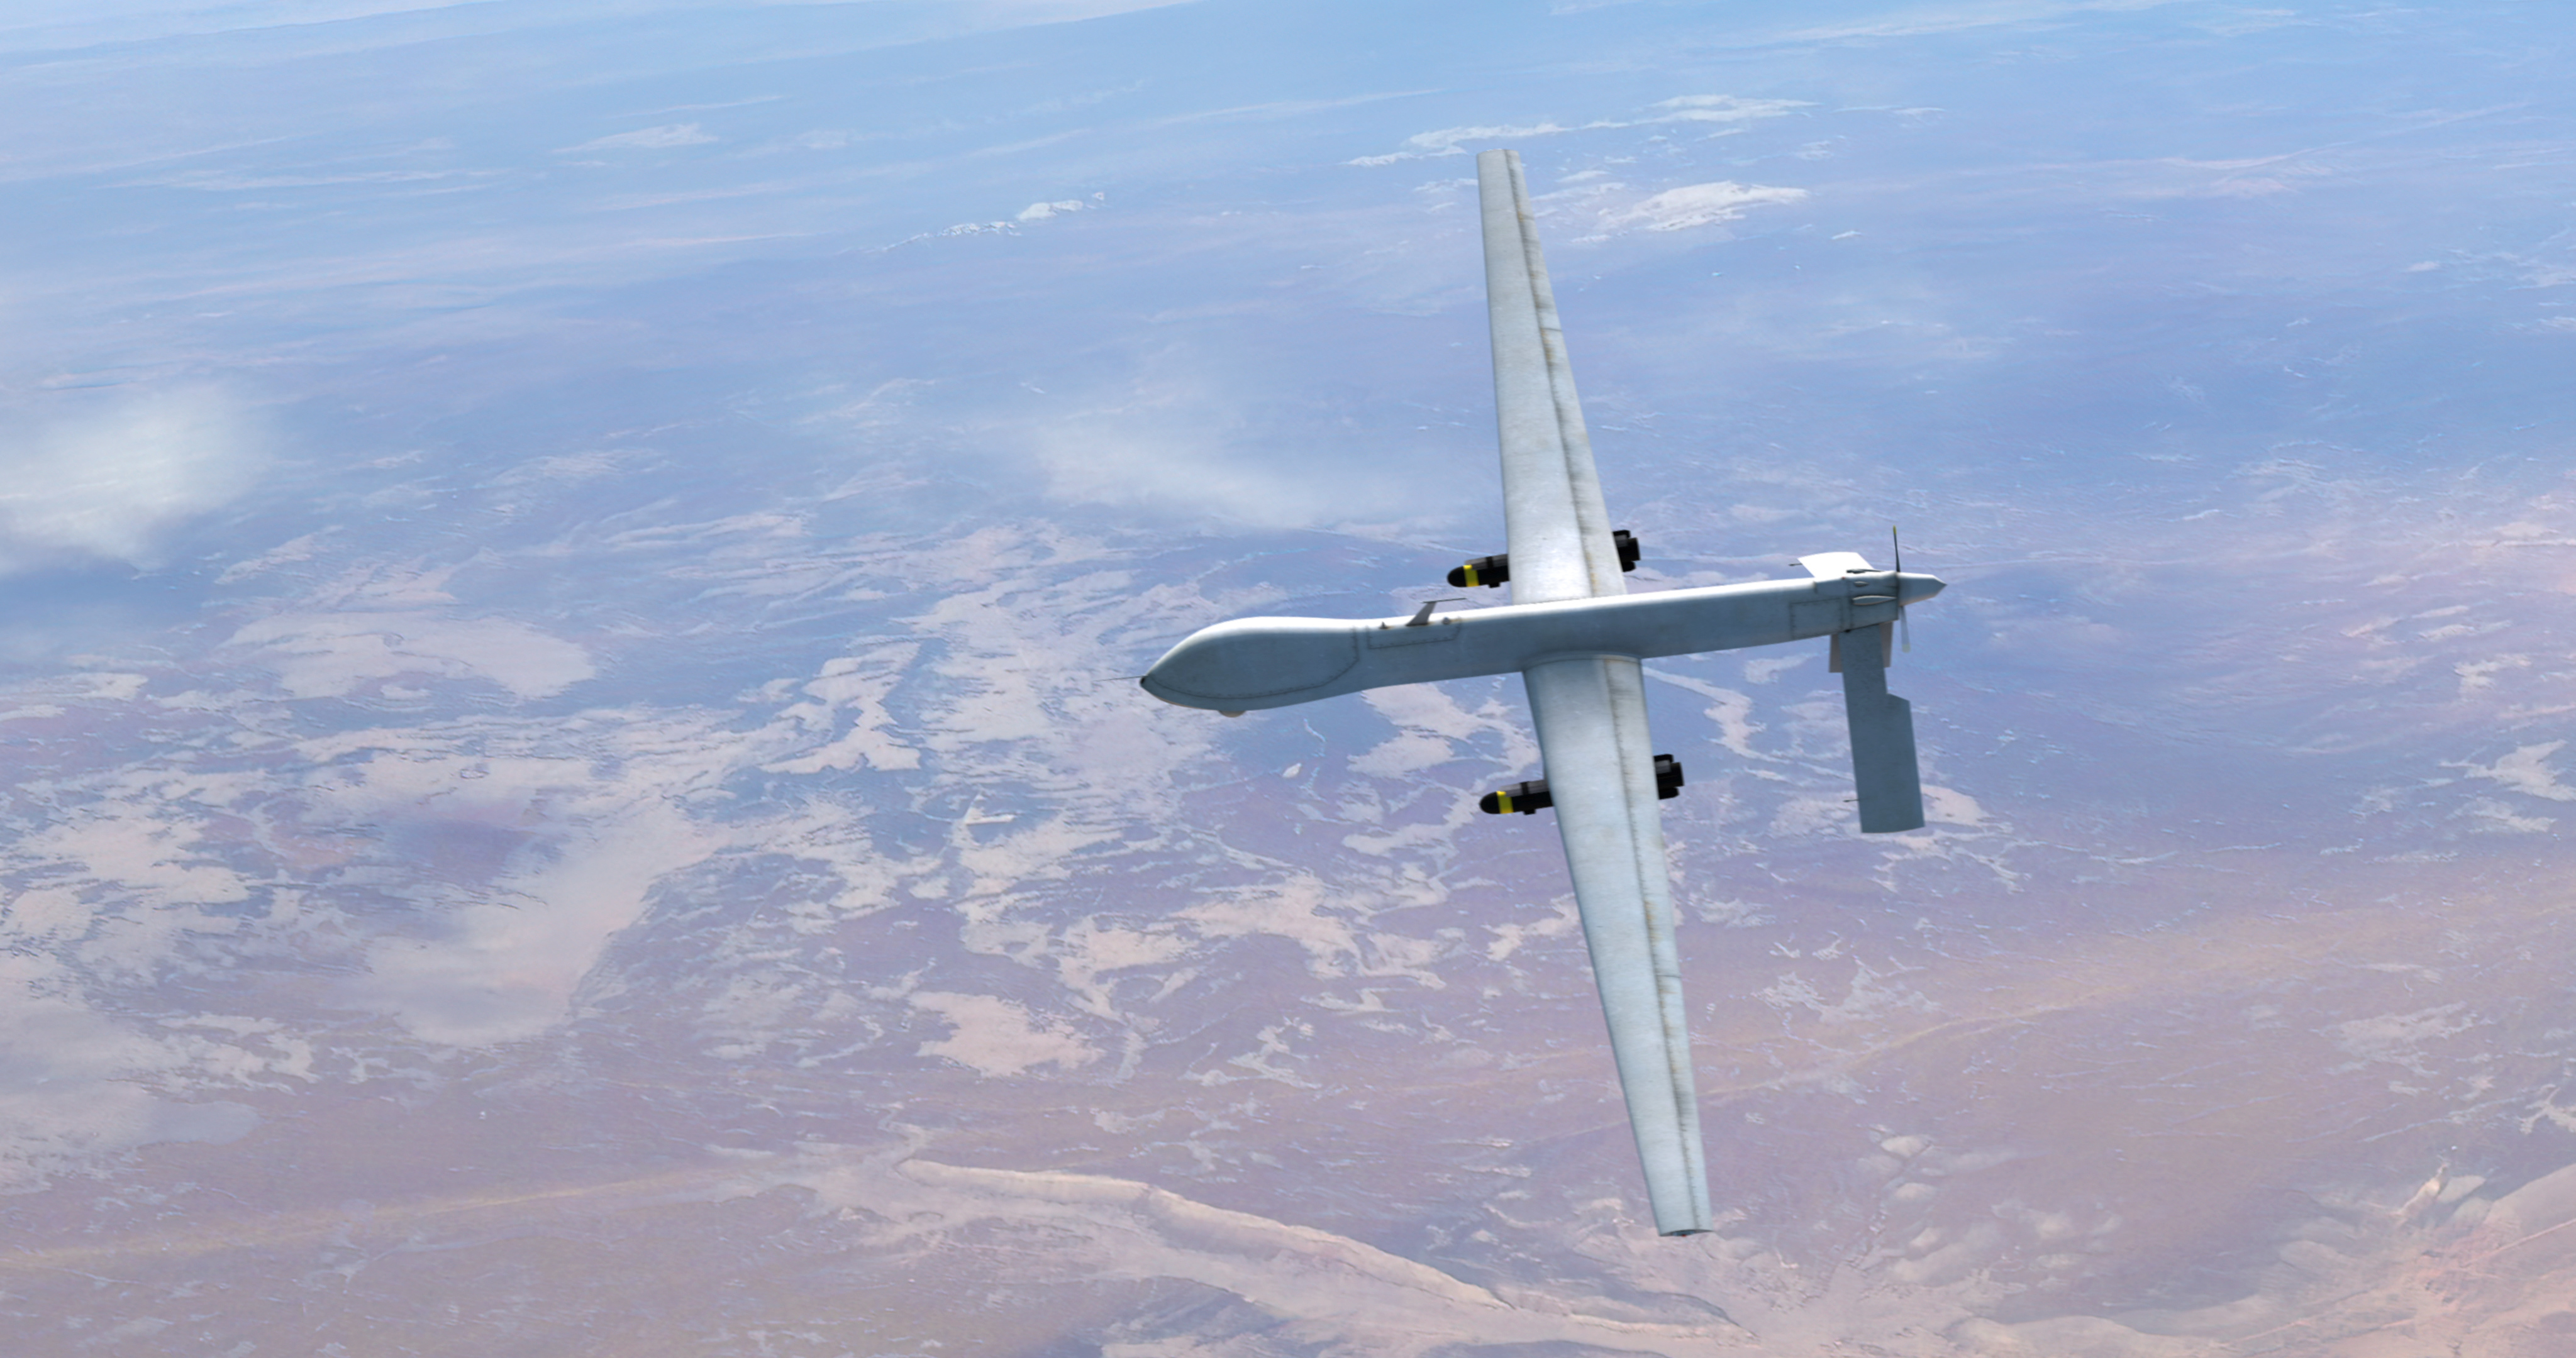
[574,568]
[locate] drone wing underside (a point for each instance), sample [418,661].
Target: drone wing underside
[1591,718]
[1559,530]
[1590,710]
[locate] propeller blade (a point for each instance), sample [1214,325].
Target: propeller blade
[1904,629]
[1884,769]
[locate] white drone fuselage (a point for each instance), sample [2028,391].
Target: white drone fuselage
[1251,664]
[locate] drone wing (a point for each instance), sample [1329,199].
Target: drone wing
[1552,512]
[1591,710]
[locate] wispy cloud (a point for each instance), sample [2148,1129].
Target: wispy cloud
[1177,437]
[1688,108]
[648,139]
[111,484]
[1701,205]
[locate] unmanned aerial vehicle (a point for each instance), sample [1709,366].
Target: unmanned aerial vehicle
[1579,639]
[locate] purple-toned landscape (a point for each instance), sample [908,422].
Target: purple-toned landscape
[571,574]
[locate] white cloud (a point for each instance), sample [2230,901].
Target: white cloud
[1689,108]
[1701,205]
[648,139]
[1178,440]
[1451,141]
[1034,212]
[112,485]
[1721,108]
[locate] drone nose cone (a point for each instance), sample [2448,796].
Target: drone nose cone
[1914,589]
[1252,663]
